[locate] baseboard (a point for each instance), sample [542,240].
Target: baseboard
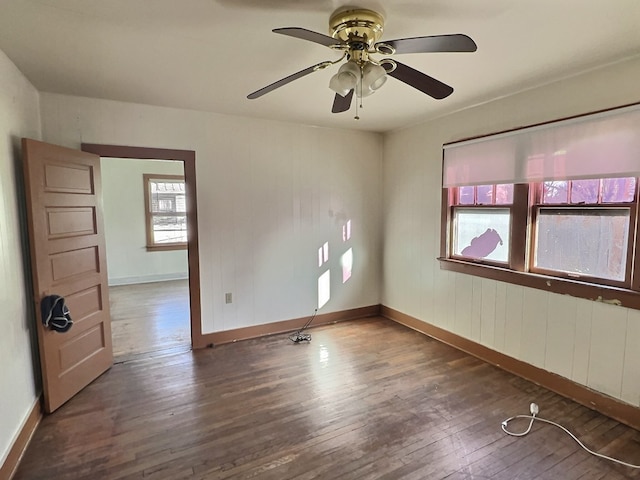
[609,406]
[228,336]
[9,466]
[113,282]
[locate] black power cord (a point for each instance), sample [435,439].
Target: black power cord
[298,336]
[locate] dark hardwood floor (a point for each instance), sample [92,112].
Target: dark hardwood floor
[149,317]
[367,399]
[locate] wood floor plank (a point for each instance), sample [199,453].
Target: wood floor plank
[149,317]
[367,399]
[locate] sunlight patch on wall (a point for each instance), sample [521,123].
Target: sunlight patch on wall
[324,288]
[346,231]
[323,254]
[347,265]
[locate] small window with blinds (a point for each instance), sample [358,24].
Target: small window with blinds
[552,206]
[166,212]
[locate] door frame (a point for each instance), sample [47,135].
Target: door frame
[188,157]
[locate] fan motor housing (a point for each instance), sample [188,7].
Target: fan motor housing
[357,26]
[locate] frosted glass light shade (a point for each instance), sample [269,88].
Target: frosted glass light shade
[346,78]
[373,77]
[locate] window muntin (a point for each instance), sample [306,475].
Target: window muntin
[166,211]
[500,194]
[591,191]
[574,229]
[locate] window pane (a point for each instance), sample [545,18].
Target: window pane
[504,194]
[555,192]
[482,233]
[169,229]
[465,195]
[165,205]
[618,190]
[181,203]
[599,250]
[485,194]
[167,196]
[585,191]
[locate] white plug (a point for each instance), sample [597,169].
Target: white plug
[534,409]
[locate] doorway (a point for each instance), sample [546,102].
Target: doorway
[144,211]
[185,291]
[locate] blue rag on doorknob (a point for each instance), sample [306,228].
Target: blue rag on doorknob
[55,314]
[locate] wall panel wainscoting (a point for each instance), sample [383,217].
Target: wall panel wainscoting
[365,399]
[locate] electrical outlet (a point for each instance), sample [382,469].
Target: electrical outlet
[228,298]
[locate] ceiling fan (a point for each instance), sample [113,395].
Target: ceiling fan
[355,32]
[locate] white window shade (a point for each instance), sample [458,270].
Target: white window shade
[602,145]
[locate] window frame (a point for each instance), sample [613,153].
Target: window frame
[519,271]
[151,245]
[518,243]
[591,279]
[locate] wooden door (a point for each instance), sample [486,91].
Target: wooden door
[66,237]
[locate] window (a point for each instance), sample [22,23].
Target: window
[582,227]
[552,207]
[166,212]
[481,217]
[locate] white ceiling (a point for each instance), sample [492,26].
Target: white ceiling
[209,54]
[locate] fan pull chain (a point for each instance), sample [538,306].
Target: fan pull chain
[359,84]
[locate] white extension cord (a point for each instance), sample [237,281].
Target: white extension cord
[534,409]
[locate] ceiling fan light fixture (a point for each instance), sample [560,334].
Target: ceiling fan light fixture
[373,77]
[355,32]
[346,79]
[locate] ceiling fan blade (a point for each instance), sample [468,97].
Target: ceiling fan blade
[290,78]
[342,104]
[308,35]
[436,43]
[423,82]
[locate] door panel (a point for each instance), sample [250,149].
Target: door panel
[66,237]
[70,222]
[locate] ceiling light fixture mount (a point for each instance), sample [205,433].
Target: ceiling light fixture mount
[357,26]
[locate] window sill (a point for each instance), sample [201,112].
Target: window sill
[160,248]
[590,291]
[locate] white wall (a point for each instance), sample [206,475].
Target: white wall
[19,117]
[269,195]
[128,260]
[591,343]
